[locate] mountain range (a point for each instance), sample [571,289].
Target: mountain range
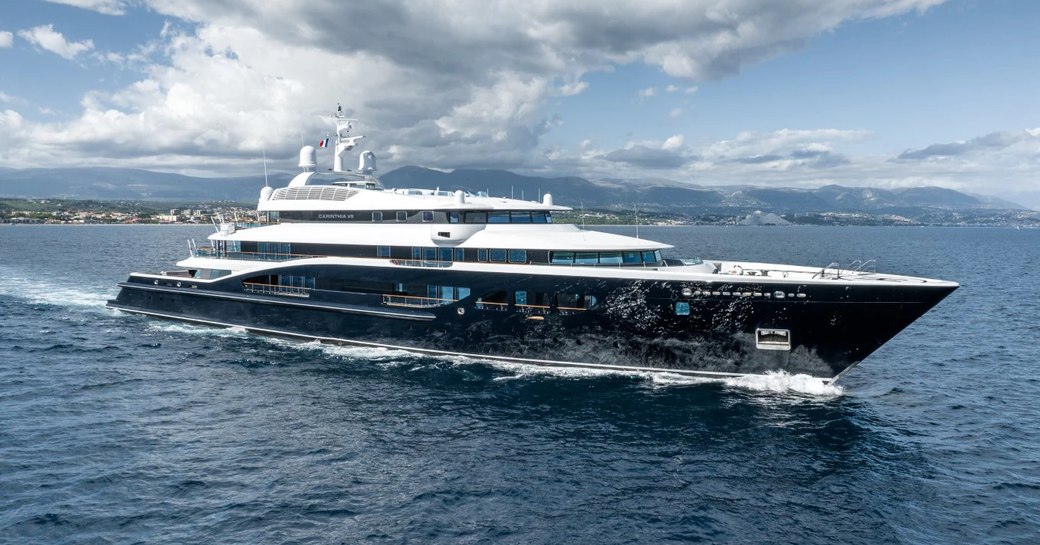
[657,195]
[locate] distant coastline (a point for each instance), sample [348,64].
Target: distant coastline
[102,212]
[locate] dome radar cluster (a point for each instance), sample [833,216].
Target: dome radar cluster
[337,175]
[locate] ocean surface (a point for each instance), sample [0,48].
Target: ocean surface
[125,429]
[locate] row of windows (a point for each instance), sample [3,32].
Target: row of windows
[284,251]
[604,258]
[533,302]
[487,255]
[416,216]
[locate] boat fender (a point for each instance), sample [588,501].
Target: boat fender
[461,311]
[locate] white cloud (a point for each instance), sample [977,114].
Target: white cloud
[673,142]
[107,7]
[6,39]
[448,85]
[46,38]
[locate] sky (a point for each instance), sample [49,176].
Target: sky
[798,93]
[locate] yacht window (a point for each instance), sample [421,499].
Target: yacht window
[648,257]
[548,217]
[539,217]
[377,216]
[562,258]
[453,217]
[521,297]
[682,308]
[402,216]
[498,256]
[498,217]
[586,258]
[382,251]
[568,302]
[610,258]
[416,252]
[482,254]
[476,217]
[590,301]
[497,300]
[460,254]
[427,216]
[631,257]
[429,254]
[520,217]
[444,254]
[518,256]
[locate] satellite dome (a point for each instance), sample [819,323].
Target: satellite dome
[308,158]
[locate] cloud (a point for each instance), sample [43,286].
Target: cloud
[669,154]
[442,85]
[647,93]
[46,38]
[991,141]
[6,39]
[107,7]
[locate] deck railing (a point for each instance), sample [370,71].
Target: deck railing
[249,256]
[415,301]
[275,289]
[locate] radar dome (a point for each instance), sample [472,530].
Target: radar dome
[265,193]
[367,162]
[308,158]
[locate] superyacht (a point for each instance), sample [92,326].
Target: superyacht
[337,257]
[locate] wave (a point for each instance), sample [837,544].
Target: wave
[51,292]
[192,329]
[778,382]
[783,382]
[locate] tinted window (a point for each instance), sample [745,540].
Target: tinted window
[427,216]
[631,257]
[402,216]
[517,256]
[539,217]
[498,217]
[520,217]
[498,256]
[610,258]
[586,258]
[476,217]
[562,258]
[377,216]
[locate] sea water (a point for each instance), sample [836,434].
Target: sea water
[117,428]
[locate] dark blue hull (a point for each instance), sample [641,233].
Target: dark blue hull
[639,325]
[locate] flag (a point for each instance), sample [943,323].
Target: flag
[323,143]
